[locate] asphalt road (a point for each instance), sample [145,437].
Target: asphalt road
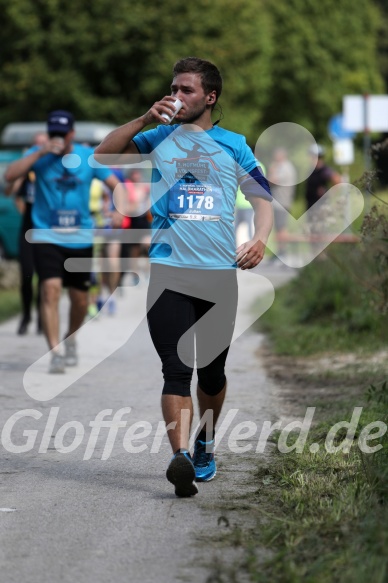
[77,504]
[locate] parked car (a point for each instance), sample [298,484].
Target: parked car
[21,134]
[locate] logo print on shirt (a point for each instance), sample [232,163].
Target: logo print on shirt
[196,170]
[66,182]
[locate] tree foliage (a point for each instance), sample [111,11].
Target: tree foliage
[110,61]
[382,41]
[324,50]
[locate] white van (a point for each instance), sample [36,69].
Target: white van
[21,134]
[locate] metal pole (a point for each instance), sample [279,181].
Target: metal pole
[367,139]
[367,151]
[345,175]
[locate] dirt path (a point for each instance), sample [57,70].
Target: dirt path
[66,518]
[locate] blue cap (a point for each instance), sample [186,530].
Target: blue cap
[60,121]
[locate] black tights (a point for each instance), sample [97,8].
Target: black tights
[27,269]
[172,313]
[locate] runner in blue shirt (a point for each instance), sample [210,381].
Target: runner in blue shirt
[197,168]
[60,213]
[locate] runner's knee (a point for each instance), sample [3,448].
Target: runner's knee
[177,377]
[180,388]
[51,290]
[211,382]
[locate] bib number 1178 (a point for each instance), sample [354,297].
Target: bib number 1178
[195,201]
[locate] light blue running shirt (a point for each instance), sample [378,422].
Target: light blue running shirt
[62,196]
[194,183]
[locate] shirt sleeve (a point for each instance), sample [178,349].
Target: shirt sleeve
[246,160]
[102,173]
[145,141]
[256,185]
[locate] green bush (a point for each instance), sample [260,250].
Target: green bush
[335,291]
[339,301]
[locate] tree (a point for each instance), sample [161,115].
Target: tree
[111,60]
[382,41]
[323,50]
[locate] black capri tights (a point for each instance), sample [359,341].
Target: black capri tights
[184,325]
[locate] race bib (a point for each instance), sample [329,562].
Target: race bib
[195,202]
[65,221]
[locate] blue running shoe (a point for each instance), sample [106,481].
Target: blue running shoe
[203,460]
[112,306]
[181,473]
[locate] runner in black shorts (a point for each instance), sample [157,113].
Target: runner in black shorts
[50,261]
[62,228]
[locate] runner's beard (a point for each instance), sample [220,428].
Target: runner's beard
[192,116]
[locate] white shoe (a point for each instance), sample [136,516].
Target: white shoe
[71,357]
[57,364]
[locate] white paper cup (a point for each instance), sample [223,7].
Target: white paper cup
[177,105]
[58,145]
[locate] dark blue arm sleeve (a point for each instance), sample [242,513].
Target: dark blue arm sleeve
[256,185]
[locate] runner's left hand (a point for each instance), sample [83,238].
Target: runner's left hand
[250,254]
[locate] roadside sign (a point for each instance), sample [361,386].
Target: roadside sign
[336,128]
[343,152]
[365,113]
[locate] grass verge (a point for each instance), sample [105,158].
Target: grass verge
[319,517]
[9,304]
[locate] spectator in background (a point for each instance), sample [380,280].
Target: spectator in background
[282,177]
[322,177]
[24,192]
[96,208]
[140,203]
[111,248]
[318,183]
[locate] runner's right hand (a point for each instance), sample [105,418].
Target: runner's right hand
[154,114]
[54,145]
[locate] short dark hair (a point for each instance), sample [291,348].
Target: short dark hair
[210,76]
